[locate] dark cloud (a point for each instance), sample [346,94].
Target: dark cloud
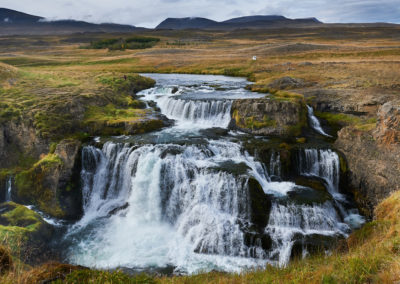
[150,13]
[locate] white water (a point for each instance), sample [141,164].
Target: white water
[182,211]
[314,122]
[188,206]
[287,221]
[324,164]
[9,190]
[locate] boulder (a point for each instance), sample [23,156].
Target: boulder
[269,116]
[286,83]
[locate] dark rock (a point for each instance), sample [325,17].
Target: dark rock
[118,209]
[312,182]
[313,244]
[260,204]
[286,83]
[308,196]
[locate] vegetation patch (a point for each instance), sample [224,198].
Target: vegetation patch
[135,42]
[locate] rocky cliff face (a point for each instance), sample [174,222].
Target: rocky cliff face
[50,184]
[373,157]
[268,116]
[19,140]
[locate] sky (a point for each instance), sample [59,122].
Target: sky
[150,13]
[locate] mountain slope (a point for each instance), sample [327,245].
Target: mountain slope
[11,16]
[17,23]
[258,21]
[186,23]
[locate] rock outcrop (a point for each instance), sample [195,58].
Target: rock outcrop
[19,140]
[373,157]
[269,116]
[50,184]
[286,83]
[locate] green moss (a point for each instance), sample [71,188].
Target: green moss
[253,123]
[32,186]
[339,118]
[18,224]
[301,140]
[111,114]
[343,164]
[53,147]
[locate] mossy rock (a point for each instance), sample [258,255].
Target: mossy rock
[38,185]
[23,230]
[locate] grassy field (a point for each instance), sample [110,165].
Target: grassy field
[58,86]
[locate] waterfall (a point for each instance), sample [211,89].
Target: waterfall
[8,196]
[208,113]
[314,122]
[292,223]
[187,206]
[182,196]
[199,205]
[324,164]
[275,164]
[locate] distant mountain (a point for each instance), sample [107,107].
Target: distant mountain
[18,23]
[11,16]
[186,23]
[249,19]
[258,21]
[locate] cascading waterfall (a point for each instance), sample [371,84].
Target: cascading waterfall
[321,163]
[191,113]
[189,205]
[209,113]
[325,164]
[169,191]
[314,122]
[293,223]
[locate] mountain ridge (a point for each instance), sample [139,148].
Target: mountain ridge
[15,22]
[256,21]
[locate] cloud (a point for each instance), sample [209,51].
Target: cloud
[150,13]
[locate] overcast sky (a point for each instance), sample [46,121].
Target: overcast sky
[150,13]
